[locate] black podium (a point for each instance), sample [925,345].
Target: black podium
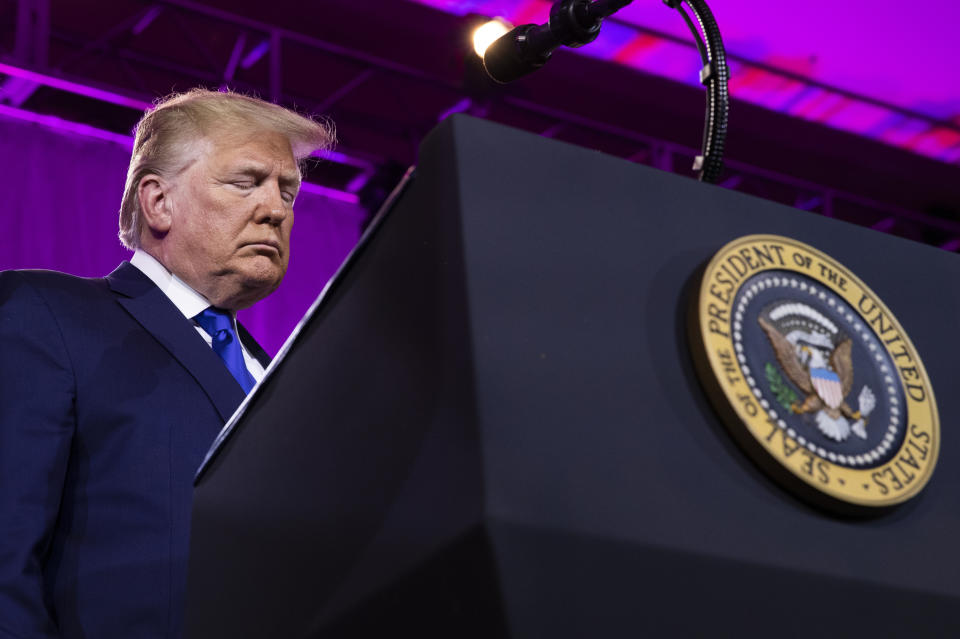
[489,426]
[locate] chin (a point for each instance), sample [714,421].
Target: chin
[265,283]
[250,280]
[253,287]
[264,269]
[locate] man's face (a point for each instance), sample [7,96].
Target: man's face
[232,211]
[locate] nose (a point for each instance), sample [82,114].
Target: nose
[272,209]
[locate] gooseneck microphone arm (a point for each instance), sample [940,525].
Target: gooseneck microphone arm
[574,23]
[715,75]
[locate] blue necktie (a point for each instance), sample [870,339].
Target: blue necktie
[219,325]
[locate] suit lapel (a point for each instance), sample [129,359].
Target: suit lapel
[149,306]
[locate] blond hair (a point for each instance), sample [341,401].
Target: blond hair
[166,134]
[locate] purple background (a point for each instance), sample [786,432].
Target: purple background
[61,193]
[880,69]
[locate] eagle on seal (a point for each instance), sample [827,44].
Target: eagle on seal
[817,359]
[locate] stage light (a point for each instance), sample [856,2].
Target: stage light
[486,34]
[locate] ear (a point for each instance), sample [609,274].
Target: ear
[155,204]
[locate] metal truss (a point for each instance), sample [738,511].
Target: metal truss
[121,65]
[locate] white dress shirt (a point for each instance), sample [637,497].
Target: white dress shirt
[187,301]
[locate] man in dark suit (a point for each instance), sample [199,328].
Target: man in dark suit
[113,389]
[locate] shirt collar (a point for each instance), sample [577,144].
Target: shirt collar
[187,300]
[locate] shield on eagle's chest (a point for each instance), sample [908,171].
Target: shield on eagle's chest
[828,387]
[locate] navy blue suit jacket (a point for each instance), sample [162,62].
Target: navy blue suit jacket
[109,399]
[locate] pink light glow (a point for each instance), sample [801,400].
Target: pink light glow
[531,11]
[810,103]
[783,94]
[905,133]
[860,118]
[635,51]
[748,78]
[936,142]
[952,155]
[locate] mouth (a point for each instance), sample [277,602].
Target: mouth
[266,246]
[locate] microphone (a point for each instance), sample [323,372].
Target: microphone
[573,23]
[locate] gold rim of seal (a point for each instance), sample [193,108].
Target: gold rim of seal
[910,467]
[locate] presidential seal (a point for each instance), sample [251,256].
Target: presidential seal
[813,375]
